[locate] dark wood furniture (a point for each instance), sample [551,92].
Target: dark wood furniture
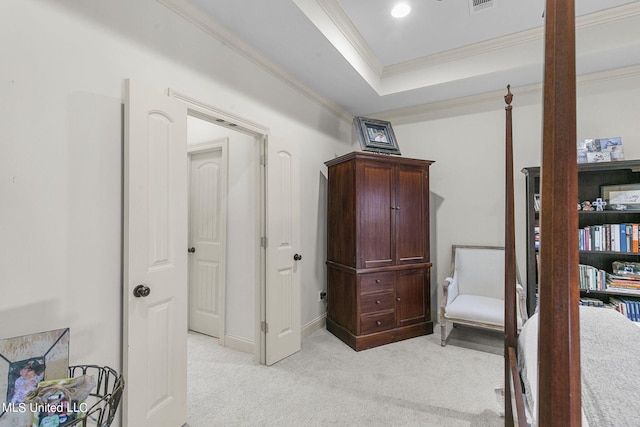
[559,375]
[591,177]
[378,268]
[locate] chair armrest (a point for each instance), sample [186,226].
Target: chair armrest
[521,303]
[449,290]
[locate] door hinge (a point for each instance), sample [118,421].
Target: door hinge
[263,160]
[264,242]
[264,327]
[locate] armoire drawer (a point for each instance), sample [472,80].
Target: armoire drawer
[377,322]
[372,303]
[377,282]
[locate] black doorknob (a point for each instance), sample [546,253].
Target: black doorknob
[297,257]
[141,291]
[191,250]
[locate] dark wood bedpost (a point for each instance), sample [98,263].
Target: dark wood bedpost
[510,321]
[559,337]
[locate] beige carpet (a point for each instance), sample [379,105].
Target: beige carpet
[410,383]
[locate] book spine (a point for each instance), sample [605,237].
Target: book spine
[622,239]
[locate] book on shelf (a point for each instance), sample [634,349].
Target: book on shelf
[609,237]
[595,279]
[592,278]
[592,302]
[627,306]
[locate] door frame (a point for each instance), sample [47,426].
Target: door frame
[221,144]
[203,111]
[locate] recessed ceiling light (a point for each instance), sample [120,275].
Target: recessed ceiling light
[400,10]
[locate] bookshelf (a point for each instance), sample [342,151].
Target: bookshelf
[591,178]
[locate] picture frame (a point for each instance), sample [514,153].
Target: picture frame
[537,202]
[376,136]
[622,196]
[600,150]
[29,359]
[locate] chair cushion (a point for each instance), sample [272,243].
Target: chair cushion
[477,309]
[480,309]
[480,271]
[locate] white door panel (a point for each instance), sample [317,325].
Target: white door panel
[207,238]
[155,257]
[283,277]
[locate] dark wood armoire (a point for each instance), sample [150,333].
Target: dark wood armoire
[378,269]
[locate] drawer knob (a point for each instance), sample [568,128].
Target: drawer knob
[377,280]
[398,299]
[377,301]
[378,322]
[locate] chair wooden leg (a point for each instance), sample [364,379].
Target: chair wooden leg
[443,332]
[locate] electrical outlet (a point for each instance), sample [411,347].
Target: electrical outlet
[322,296]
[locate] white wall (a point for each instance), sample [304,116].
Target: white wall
[62,80]
[467,144]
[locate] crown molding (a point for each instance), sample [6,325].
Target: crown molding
[502,43]
[336,13]
[464,52]
[441,108]
[195,16]
[608,15]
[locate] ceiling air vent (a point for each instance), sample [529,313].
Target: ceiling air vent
[479,5]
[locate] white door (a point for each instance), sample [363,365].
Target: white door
[207,231]
[155,260]
[283,275]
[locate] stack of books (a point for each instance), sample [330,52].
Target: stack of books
[623,284]
[625,278]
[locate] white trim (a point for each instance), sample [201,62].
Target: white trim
[261,253]
[316,324]
[220,117]
[439,109]
[509,41]
[216,30]
[238,343]
[221,144]
[342,21]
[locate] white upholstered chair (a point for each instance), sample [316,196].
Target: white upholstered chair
[473,294]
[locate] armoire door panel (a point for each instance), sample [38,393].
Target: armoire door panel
[411,304]
[376,233]
[411,215]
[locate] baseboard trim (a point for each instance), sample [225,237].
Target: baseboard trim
[247,346]
[315,325]
[238,343]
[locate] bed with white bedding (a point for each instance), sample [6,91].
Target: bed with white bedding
[610,366]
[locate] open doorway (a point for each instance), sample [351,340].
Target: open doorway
[276,295]
[223,225]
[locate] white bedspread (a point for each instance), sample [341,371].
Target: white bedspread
[610,366]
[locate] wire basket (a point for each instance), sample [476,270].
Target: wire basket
[104,401]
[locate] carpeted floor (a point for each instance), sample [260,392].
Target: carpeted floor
[410,383]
